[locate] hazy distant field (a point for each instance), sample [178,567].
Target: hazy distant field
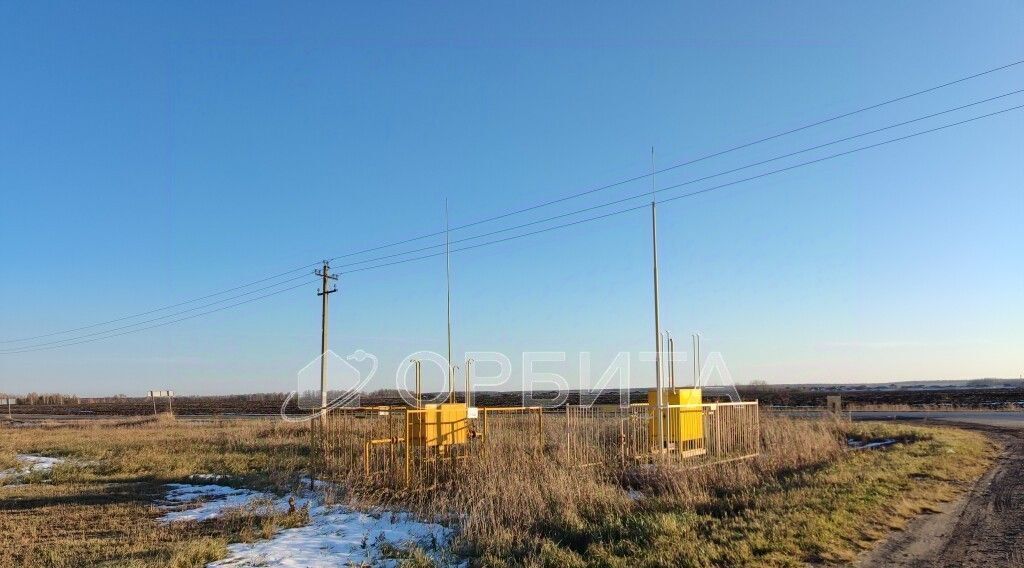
[907,397]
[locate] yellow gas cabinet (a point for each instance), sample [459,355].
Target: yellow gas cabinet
[439,425]
[683,418]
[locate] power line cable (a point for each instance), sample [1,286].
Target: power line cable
[222,308]
[689,162]
[171,315]
[540,205]
[573,223]
[164,308]
[691,194]
[689,182]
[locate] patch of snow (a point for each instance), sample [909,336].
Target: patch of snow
[39,463]
[30,463]
[335,535]
[208,477]
[319,486]
[338,537]
[858,445]
[213,501]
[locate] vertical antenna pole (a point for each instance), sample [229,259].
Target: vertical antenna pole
[418,366]
[696,374]
[448,285]
[666,377]
[700,366]
[659,396]
[671,362]
[469,382]
[696,360]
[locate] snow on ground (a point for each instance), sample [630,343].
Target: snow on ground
[213,500]
[208,477]
[338,537]
[859,445]
[30,464]
[38,463]
[335,536]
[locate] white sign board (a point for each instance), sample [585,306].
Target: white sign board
[161,394]
[472,412]
[8,401]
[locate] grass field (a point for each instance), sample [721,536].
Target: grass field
[805,499]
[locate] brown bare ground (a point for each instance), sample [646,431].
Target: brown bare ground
[984,528]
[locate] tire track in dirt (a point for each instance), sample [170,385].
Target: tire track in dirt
[984,528]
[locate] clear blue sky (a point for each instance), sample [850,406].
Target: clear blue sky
[151,153]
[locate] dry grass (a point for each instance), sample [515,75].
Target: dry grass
[98,509]
[804,499]
[7,460]
[164,450]
[521,508]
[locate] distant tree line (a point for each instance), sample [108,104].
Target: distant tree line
[34,398]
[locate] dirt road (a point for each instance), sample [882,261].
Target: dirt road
[984,528]
[1000,419]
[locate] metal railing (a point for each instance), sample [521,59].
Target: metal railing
[398,446]
[406,447]
[697,434]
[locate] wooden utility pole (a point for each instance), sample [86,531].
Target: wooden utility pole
[323,292]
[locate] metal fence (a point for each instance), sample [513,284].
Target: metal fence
[406,447]
[627,436]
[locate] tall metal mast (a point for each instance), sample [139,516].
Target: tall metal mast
[659,398]
[448,284]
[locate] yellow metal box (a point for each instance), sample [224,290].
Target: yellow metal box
[454,425]
[438,425]
[683,419]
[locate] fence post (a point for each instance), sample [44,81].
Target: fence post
[540,430]
[568,433]
[622,442]
[408,456]
[313,453]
